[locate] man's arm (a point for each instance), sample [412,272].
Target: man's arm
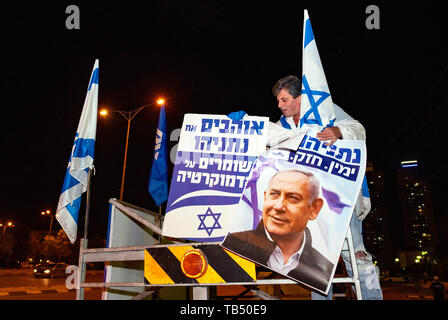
[278,134]
[345,127]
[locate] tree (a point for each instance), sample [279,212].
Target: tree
[59,248]
[7,242]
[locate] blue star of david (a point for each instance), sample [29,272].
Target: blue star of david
[314,104]
[215,217]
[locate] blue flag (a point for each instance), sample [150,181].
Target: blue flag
[158,178]
[80,161]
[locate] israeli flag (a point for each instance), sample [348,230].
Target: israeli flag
[158,178]
[316,106]
[80,161]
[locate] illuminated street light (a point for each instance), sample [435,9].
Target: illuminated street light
[8,224]
[128,115]
[48,213]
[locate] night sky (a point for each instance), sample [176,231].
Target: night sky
[205,57]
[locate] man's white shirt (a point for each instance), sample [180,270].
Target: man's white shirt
[276,261]
[351,129]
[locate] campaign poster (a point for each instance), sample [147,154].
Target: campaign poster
[213,162]
[300,203]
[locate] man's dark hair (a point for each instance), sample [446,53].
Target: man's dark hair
[291,84]
[313,183]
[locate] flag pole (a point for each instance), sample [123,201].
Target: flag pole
[83,241]
[86,218]
[160,223]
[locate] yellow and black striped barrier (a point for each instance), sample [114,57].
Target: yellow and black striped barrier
[190,264]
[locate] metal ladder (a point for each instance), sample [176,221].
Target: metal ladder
[348,245]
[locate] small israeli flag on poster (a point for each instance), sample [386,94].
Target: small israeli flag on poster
[80,161]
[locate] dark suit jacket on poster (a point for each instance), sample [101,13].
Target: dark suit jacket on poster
[313,269]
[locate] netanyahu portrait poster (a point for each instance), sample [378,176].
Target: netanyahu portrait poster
[296,208]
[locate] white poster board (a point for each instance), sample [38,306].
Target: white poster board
[214,158]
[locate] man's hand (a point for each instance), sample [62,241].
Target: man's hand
[331,133]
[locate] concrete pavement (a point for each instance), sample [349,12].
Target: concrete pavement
[393,291]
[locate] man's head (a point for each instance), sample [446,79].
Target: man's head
[290,201]
[287,90]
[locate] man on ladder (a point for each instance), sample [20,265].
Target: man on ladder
[287,91]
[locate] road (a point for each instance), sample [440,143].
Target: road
[21,285]
[71,295]
[406,291]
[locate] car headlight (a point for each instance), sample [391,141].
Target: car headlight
[47,271]
[35,270]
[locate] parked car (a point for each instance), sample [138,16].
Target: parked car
[50,270]
[399,277]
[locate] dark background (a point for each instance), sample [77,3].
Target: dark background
[206,57]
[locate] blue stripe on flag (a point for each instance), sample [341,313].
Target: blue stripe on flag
[309,35]
[84,147]
[284,123]
[73,208]
[69,181]
[95,78]
[365,188]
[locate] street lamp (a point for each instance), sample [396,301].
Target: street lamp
[8,224]
[48,213]
[128,115]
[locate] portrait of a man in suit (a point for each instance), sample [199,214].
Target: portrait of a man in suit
[282,241]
